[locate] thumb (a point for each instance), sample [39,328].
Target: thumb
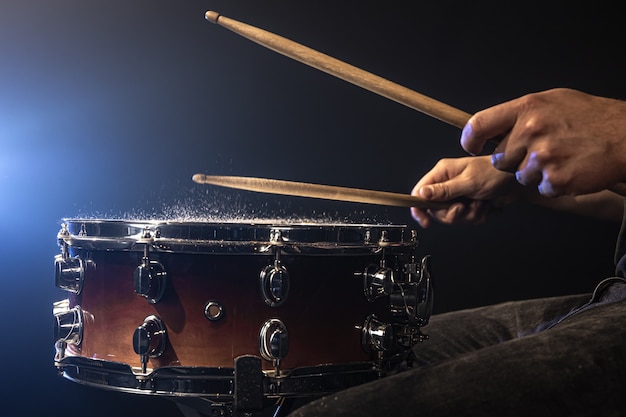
[442,191]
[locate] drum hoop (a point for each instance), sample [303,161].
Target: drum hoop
[231,237]
[214,383]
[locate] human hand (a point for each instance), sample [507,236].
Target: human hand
[471,184]
[561,141]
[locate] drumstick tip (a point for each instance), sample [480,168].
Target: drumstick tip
[212,16]
[198,178]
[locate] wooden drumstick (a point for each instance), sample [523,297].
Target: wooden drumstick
[327,192]
[344,71]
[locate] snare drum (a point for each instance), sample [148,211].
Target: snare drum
[236,312]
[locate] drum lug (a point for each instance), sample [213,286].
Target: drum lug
[378,282]
[274,283]
[69,273]
[150,279]
[68,323]
[274,342]
[149,340]
[424,306]
[376,336]
[413,300]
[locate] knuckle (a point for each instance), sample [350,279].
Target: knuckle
[444,191]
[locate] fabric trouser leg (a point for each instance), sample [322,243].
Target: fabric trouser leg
[491,362]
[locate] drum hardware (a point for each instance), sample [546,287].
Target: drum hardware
[60,347]
[413,299]
[384,238]
[274,282]
[248,380]
[408,336]
[378,281]
[274,342]
[274,279]
[68,328]
[276,237]
[410,296]
[213,310]
[69,271]
[367,237]
[149,278]
[216,387]
[377,336]
[149,340]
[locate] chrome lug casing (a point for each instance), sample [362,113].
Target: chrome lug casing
[274,284]
[69,273]
[68,327]
[412,301]
[149,280]
[149,340]
[377,336]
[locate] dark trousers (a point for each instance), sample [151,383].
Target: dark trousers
[561,356]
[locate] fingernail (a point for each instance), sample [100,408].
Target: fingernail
[496,158]
[426,192]
[466,133]
[422,221]
[546,189]
[540,189]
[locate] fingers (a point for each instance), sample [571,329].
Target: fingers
[527,166]
[529,173]
[447,215]
[508,159]
[421,217]
[547,189]
[458,213]
[488,124]
[444,187]
[433,192]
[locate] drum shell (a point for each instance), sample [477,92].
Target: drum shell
[323,313]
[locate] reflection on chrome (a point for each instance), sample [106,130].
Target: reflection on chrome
[68,323]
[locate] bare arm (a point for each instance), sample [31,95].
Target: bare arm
[603,205]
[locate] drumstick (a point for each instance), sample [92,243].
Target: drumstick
[342,70]
[327,192]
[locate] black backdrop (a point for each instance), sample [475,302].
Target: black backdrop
[107,108]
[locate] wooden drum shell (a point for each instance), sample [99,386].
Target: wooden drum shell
[323,312]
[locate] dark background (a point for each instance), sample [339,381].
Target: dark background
[107,108]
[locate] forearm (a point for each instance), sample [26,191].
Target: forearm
[604,205]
